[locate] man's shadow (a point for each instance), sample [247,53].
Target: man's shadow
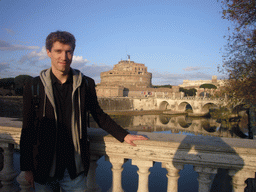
[205,151]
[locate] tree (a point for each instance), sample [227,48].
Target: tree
[162,86]
[240,53]
[7,83]
[208,86]
[20,81]
[188,92]
[191,92]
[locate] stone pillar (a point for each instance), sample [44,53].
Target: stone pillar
[117,168]
[204,177]
[181,95]
[24,185]
[8,174]
[173,95]
[239,177]
[92,186]
[143,173]
[173,175]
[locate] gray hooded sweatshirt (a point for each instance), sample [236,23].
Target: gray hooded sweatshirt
[76,134]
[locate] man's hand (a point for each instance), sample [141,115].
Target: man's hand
[30,178]
[130,138]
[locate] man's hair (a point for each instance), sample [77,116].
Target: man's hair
[62,37]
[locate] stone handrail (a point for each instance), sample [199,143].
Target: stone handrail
[206,154]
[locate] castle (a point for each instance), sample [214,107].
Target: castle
[129,79]
[127,74]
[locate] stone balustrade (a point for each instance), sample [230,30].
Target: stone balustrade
[206,154]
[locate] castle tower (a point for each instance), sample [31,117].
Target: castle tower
[214,79]
[127,74]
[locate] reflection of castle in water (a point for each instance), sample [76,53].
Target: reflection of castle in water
[177,124]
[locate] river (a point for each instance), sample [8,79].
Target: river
[181,124]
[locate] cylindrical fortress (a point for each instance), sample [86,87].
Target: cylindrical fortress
[127,74]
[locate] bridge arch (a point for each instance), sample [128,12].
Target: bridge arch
[164,105]
[184,106]
[207,106]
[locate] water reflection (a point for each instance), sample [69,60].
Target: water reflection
[181,124]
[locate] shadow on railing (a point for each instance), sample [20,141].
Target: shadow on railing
[211,157]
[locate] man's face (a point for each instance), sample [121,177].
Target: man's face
[61,57]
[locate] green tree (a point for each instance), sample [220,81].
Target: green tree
[162,86]
[188,92]
[208,86]
[7,83]
[191,92]
[20,81]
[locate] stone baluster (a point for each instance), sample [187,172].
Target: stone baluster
[117,168]
[239,177]
[24,185]
[143,173]
[173,175]
[205,177]
[92,186]
[8,174]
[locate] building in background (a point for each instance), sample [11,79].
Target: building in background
[197,83]
[129,79]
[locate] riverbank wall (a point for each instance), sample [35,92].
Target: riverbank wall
[116,104]
[11,106]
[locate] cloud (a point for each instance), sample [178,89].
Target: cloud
[94,70]
[192,68]
[176,79]
[79,59]
[9,31]
[33,57]
[4,66]
[78,62]
[5,46]
[40,55]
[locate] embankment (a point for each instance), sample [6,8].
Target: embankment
[11,106]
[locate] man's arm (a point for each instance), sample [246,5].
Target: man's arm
[130,138]
[30,178]
[104,120]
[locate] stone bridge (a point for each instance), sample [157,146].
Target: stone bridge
[199,105]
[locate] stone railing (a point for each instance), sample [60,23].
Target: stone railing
[206,154]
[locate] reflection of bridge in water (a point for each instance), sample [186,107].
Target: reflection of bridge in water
[179,124]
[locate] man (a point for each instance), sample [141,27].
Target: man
[54,147]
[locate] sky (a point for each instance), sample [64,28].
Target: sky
[176,39]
